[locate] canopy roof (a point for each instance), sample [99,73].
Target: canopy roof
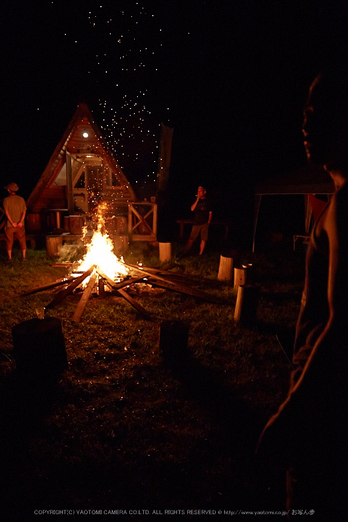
[307,180]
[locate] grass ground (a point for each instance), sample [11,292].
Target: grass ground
[123,431]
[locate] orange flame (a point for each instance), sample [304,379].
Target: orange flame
[100,252]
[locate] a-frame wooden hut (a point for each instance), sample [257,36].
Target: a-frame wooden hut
[81,173]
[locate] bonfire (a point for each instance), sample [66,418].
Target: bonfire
[100,270]
[100,253]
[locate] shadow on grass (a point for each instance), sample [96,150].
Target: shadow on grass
[253,484]
[24,403]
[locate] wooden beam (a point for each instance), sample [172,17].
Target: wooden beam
[174,287]
[134,303]
[185,278]
[121,284]
[170,285]
[85,296]
[63,293]
[50,285]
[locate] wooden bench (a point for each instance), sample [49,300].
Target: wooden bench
[218,222]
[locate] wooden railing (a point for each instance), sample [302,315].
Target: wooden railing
[142,221]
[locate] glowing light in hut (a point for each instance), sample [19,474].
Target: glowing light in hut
[100,252]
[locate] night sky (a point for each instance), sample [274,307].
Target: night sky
[229,76]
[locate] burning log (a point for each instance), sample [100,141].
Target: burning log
[98,279]
[63,293]
[85,296]
[101,286]
[60,282]
[123,293]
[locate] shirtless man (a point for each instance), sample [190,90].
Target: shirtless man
[309,431]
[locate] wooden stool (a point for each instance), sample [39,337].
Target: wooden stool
[225,269]
[53,245]
[165,252]
[246,305]
[239,277]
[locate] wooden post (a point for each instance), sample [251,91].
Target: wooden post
[165,252]
[66,224]
[154,223]
[39,348]
[101,286]
[130,219]
[173,342]
[225,269]
[239,277]
[69,183]
[53,245]
[246,305]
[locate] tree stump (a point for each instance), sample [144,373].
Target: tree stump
[225,269]
[165,252]
[75,224]
[173,342]
[246,305]
[39,348]
[249,276]
[239,277]
[53,245]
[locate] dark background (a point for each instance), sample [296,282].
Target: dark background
[230,77]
